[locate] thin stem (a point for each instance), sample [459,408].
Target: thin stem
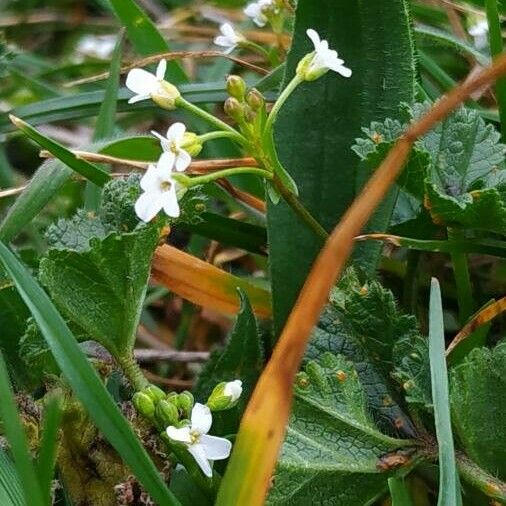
[132,371]
[279,103]
[218,123]
[462,280]
[220,134]
[410,288]
[496,48]
[256,48]
[292,200]
[208,178]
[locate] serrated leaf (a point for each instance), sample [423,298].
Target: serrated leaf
[478,402]
[331,443]
[242,358]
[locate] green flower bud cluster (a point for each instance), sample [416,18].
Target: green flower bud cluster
[245,107]
[164,409]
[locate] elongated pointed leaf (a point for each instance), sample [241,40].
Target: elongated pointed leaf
[85,381]
[11,493]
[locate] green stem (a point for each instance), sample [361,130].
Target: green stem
[292,200]
[496,48]
[132,371]
[220,134]
[462,280]
[218,123]
[477,477]
[219,174]
[248,44]
[410,288]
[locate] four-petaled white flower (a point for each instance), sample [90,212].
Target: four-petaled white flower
[229,38]
[145,84]
[479,32]
[159,193]
[204,448]
[173,154]
[233,389]
[256,11]
[324,58]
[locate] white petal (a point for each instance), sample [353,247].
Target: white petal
[151,180]
[138,98]
[182,434]
[252,10]
[228,30]
[160,137]
[315,38]
[233,389]
[161,69]
[148,205]
[341,69]
[201,418]
[176,132]
[183,160]
[170,203]
[215,448]
[141,82]
[199,455]
[223,41]
[166,161]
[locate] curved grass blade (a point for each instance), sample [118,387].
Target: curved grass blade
[49,445]
[11,493]
[106,119]
[143,34]
[86,169]
[17,439]
[85,381]
[449,485]
[399,492]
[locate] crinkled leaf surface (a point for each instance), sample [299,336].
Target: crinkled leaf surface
[332,444]
[242,358]
[478,402]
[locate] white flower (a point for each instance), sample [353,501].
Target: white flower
[256,11]
[204,449]
[173,154]
[145,84]
[159,193]
[229,38]
[479,32]
[323,59]
[233,389]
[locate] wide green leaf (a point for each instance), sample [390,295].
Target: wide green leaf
[318,124]
[478,401]
[84,380]
[332,445]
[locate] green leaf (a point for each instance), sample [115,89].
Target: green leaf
[242,358]
[399,492]
[143,34]
[478,401]
[84,381]
[449,486]
[317,127]
[16,437]
[11,493]
[331,445]
[86,169]
[106,118]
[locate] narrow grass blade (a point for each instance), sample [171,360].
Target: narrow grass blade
[449,486]
[84,381]
[86,169]
[49,445]
[144,35]
[399,492]
[17,440]
[106,119]
[11,493]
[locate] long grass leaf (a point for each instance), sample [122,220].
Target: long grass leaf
[17,440]
[449,486]
[85,381]
[399,492]
[10,486]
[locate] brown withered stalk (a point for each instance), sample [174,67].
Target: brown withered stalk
[264,423]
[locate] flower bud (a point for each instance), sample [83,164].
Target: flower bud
[255,99]
[307,71]
[249,114]
[166,96]
[166,413]
[225,395]
[236,87]
[191,144]
[144,404]
[185,403]
[156,394]
[234,109]
[172,397]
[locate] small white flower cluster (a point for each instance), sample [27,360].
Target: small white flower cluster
[204,448]
[258,11]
